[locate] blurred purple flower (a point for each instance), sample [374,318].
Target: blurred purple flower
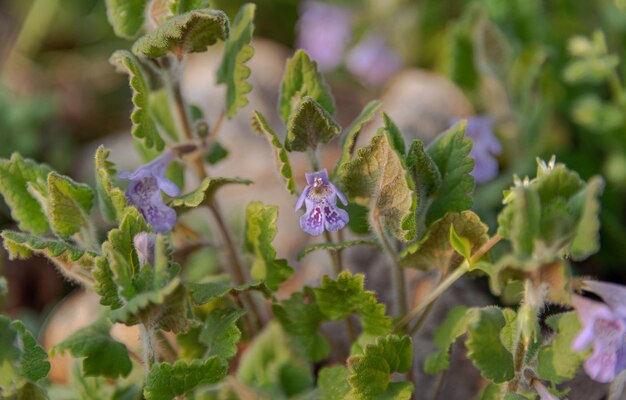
[484,149]
[144,243]
[324,32]
[604,326]
[144,192]
[373,61]
[320,198]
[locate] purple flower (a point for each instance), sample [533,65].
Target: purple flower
[373,61]
[144,192]
[320,198]
[604,327]
[144,243]
[485,148]
[324,32]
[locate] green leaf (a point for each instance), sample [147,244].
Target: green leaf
[260,232]
[350,135]
[333,246]
[205,192]
[15,174]
[586,239]
[519,221]
[144,126]
[202,293]
[395,137]
[557,362]
[260,125]
[111,199]
[446,334]
[302,79]
[300,317]
[191,32]
[345,296]
[166,381]
[216,153]
[435,249]
[424,172]
[450,153]
[377,177]
[233,71]
[220,332]
[183,6]
[126,16]
[333,382]
[161,112]
[485,348]
[69,204]
[309,125]
[370,373]
[461,244]
[103,355]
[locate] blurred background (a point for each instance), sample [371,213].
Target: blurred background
[548,77]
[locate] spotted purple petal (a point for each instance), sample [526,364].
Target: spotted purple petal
[320,199]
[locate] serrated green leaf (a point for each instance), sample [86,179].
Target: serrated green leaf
[309,125]
[345,296]
[220,332]
[446,334]
[395,137]
[233,71]
[29,391]
[205,192]
[300,317]
[450,153]
[183,6]
[350,135]
[333,246]
[260,125]
[333,382]
[435,249]
[519,221]
[69,204]
[126,16]
[144,126]
[586,239]
[166,381]
[485,348]
[111,199]
[370,373]
[15,174]
[103,355]
[424,172]
[557,362]
[161,112]
[202,293]
[377,177]
[33,359]
[260,232]
[492,391]
[301,78]
[191,32]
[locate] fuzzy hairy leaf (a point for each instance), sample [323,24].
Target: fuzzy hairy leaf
[333,382]
[104,356]
[446,334]
[260,125]
[166,381]
[205,192]
[519,221]
[183,6]
[301,78]
[69,204]
[144,126]
[485,348]
[333,246]
[161,112]
[260,232]
[586,204]
[300,317]
[557,362]
[370,373]
[435,249]
[220,332]
[424,172]
[309,125]
[337,299]
[126,16]
[15,175]
[377,177]
[111,199]
[191,32]
[395,137]
[450,153]
[233,71]
[202,293]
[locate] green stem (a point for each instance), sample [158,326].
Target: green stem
[313,159]
[334,255]
[149,346]
[398,278]
[421,319]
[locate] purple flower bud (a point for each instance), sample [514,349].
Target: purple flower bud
[144,245]
[604,327]
[484,149]
[144,192]
[320,199]
[324,32]
[373,61]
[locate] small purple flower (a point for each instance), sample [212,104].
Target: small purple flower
[144,243]
[373,61]
[604,326]
[320,198]
[324,32]
[485,148]
[144,192]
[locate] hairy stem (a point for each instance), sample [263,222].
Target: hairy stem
[149,346]
[398,277]
[334,255]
